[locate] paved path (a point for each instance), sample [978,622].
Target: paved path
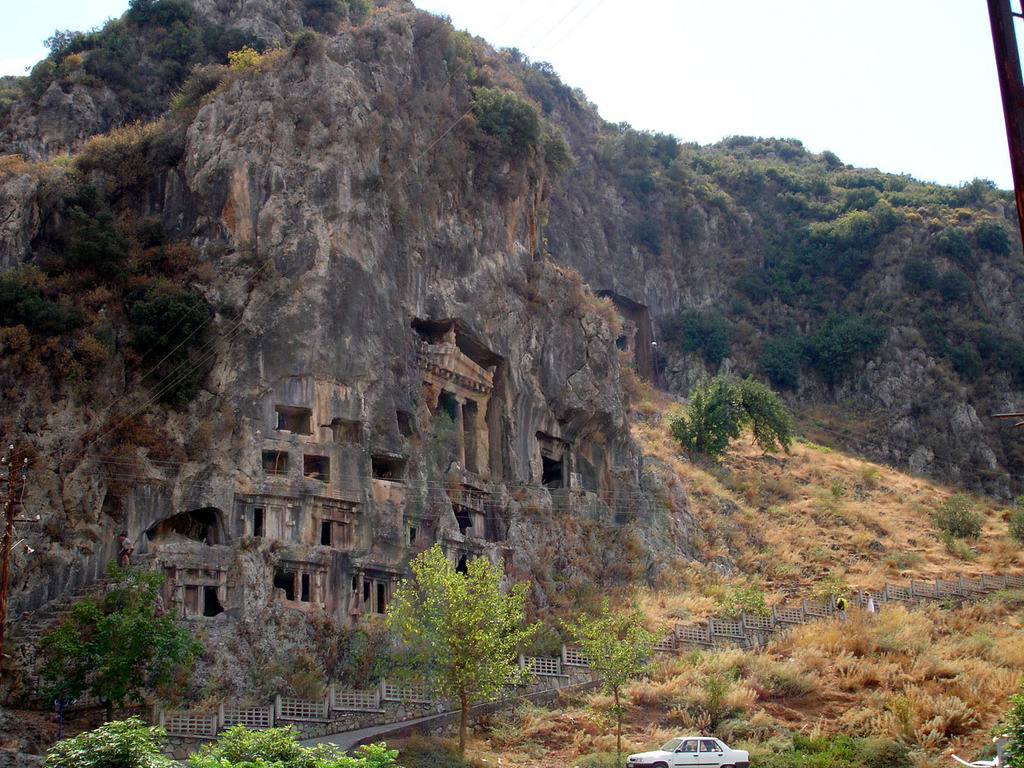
[349,740]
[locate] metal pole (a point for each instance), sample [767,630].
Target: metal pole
[1011,86]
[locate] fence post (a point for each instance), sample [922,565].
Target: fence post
[327,706]
[161,722]
[277,706]
[565,657]
[220,716]
[522,661]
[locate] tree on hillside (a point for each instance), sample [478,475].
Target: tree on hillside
[720,409]
[461,629]
[618,647]
[117,647]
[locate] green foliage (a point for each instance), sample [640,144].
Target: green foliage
[839,751]
[921,274]
[957,517]
[1014,730]
[952,242]
[510,118]
[954,285]
[992,236]
[834,348]
[119,744]
[766,415]
[131,744]
[744,600]
[780,360]
[117,648]
[719,410]
[461,630]
[95,241]
[711,420]
[279,748]
[1015,522]
[169,327]
[619,649]
[23,303]
[700,330]
[557,154]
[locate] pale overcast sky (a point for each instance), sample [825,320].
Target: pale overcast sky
[907,86]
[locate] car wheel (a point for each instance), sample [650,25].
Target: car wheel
[659,765]
[726,766]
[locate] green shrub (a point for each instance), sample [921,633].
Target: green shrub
[992,236]
[512,119]
[1015,524]
[599,760]
[952,242]
[921,274]
[954,285]
[700,330]
[957,517]
[780,361]
[834,348]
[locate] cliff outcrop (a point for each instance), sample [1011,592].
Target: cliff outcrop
[303,327]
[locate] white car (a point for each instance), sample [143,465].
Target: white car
[691,750]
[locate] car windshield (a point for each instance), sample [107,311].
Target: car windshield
[672,746]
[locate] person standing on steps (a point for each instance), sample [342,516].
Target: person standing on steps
[125,552]
[841,605]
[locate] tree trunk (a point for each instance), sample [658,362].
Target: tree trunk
[618,724]
[463,723]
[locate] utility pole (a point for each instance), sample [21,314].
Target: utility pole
[1011,86]
[10,501]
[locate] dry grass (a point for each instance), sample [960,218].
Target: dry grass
[934,677]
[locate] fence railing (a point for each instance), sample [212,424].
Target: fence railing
[301,709]
[337,701]
[751,630]
[253,718]
[190,724]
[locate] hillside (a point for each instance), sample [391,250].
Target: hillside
[292,291]
[908,686]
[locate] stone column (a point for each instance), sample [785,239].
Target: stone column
[460,432]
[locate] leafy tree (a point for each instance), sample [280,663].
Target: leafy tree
[461,629]
[120,744]
[279,748]
[766,415]
[116,648]
[712,419]
[619,649]
[719,410]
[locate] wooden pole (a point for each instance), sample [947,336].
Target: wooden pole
[1011,86]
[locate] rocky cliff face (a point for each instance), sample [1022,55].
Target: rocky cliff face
[390,359]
